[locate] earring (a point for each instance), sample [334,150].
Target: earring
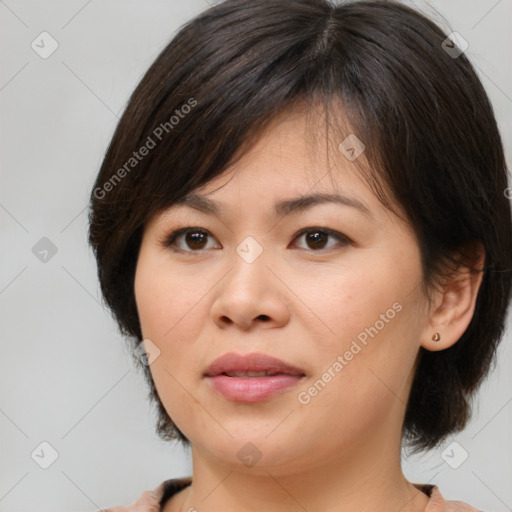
[436,336]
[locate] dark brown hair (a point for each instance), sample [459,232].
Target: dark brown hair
[426,121]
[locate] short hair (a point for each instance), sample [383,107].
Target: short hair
[429,130]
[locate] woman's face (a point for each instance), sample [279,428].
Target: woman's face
[341,303]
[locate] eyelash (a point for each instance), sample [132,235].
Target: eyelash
[170,240]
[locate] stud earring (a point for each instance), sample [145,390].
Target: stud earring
[436,336]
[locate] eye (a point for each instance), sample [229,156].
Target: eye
[316,237]
[197,238]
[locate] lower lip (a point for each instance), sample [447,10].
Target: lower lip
[252,389]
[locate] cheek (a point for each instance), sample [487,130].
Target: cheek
[150,306]
[163,301]
[367,313]
[341,301]
[170,315]
[163,298]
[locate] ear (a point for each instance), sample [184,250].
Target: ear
[454,303]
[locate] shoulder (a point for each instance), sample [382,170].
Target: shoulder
[437,502]
[153,501]
[172,487]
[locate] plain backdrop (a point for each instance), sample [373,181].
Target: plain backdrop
[66,377]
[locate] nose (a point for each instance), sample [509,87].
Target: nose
[250,295]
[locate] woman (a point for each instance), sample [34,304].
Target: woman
[301,225]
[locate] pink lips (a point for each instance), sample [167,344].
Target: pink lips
[251,378]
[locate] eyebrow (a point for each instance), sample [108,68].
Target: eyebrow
[281,208]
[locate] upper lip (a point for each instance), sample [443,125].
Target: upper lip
[254,362]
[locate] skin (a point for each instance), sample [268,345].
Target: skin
[341,450]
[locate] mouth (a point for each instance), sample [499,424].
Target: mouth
[250,365]
[252,377]
[251,374]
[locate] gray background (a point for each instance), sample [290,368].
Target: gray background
[65,375]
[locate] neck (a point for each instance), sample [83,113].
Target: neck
[365,478]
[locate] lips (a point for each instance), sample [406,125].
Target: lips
[250,365]
[251,378]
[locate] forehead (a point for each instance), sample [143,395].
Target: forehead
[293,164]
[296,155]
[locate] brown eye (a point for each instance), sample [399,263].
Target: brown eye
[195,239]
[316,238]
